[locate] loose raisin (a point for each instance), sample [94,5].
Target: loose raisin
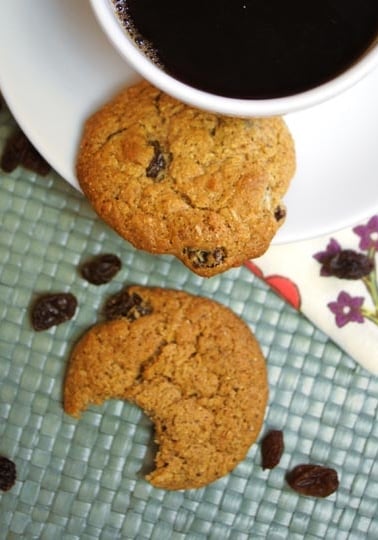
[19,151]
[52,309]
[348,264]
[7,473]
[272,447]
[123,304]
[201,258]
[313,480]
[101,269]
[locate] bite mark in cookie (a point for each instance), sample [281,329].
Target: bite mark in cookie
[196,370]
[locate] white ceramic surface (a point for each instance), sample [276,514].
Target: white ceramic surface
[116,34]
[56,67]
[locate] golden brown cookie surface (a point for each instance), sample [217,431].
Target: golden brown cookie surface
[193,366]
[172,179]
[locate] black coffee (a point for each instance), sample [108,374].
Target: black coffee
[252,48]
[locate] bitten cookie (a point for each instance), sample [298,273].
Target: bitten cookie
[192,365]
[172,179]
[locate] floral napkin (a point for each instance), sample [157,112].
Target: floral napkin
[333,281]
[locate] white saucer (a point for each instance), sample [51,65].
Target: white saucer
[56,67]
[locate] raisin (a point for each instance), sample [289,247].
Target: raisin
[201,258]
[348,264]
[272,447]
[313,480]
[19,151]
[7,473]
[101,269]
[123,304]
[52,309]
[279,213]
[159,162]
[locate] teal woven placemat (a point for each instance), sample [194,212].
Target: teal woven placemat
[80,480]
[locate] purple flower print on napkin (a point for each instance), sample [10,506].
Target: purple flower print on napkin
[347,309]
[368,234]
[349,264]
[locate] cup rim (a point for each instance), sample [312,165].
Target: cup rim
[112,26]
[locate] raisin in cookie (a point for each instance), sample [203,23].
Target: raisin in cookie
[172,179]
[192,365]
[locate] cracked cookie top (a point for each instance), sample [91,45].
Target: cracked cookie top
[196,370]
[172,179]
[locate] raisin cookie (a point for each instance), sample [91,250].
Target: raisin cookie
[192,365]
[172,179]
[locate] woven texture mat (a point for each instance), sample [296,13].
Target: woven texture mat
[81,479]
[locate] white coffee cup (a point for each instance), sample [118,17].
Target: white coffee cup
[119,37]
